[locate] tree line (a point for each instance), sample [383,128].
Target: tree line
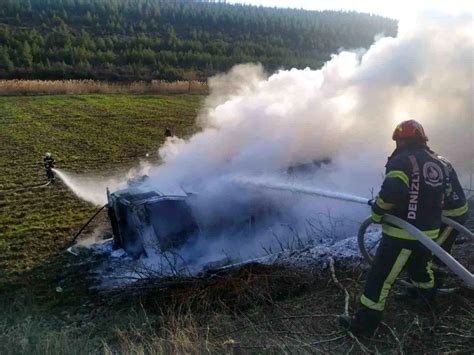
[170,40]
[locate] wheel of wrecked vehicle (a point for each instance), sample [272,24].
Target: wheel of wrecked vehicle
[361,240]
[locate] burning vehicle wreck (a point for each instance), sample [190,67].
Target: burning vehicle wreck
[227,223]
[138,218]
[148,222]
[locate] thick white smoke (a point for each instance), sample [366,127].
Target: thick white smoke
[259,124]
[256,126]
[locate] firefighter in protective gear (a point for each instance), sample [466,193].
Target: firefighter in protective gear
[49,162]
[415,188]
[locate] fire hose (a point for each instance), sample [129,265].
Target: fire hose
[71,243]
[445,257]
[26,188]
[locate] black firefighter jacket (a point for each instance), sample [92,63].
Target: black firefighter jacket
[419,187]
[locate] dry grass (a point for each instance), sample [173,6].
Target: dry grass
[279,309]
[171,334]
[54,87]
[255,309]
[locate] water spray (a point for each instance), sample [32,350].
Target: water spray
[452,263]
[338,196]
[306,190]
[90,188]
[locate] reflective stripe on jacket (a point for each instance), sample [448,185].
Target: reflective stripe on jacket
[414,189]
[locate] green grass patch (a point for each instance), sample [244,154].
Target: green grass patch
[86,134]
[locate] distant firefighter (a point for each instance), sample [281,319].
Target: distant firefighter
[167,132]
[49,163]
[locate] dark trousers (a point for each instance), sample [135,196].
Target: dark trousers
[393,255]
[448,235]
[50,175]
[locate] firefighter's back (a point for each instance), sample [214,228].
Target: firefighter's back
[427,185]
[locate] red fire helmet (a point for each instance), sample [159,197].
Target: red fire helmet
[410,129]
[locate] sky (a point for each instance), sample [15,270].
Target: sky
[394,9]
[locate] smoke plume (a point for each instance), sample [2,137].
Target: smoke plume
[256,126]
[339,118]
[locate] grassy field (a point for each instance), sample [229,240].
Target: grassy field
[86,134]
[254,309]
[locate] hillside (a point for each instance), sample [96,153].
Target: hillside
[156,39]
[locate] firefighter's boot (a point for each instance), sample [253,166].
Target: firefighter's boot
[364,322]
